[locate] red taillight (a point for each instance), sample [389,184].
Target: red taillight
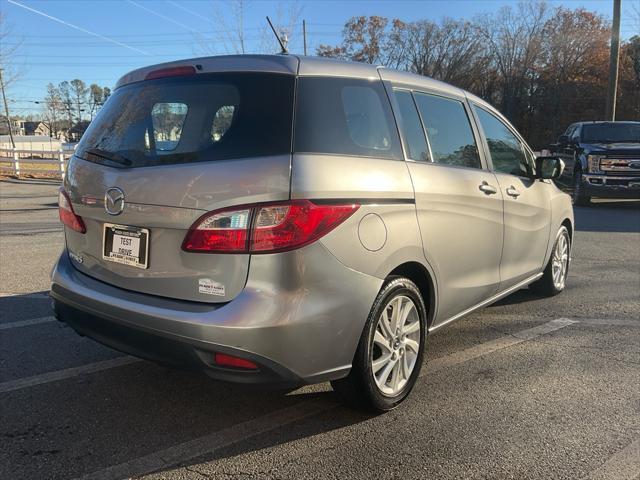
[298,223]
[221,231]
[67,216]
[171,72]
[265,228]
[224,360]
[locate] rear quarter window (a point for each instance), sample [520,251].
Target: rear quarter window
[345,116]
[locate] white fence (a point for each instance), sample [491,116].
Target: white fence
[18,161]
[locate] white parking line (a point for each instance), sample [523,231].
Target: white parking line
[38,295]
[25,295]
[57,375]
[611,322]
[497,344]
[26,323]
[209,443]
[280,418]
[624,465]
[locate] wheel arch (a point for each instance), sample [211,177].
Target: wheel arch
[569,224]
[420,275]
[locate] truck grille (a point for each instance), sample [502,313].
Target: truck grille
[621,164]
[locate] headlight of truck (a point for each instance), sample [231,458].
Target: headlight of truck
[593,163]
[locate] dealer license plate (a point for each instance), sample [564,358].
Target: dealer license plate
[126,245]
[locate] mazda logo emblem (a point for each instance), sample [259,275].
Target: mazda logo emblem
[114,201]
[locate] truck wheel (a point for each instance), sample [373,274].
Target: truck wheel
[579,197]
[391,350]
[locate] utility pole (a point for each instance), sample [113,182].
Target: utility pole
[304,35]
[613,62]
[6,110]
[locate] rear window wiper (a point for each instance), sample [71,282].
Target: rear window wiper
[107,155]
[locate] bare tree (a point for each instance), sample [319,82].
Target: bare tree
[53,109]
[232,35]
[79,92]
[286,22]
[66,98]
[11,72]
[573,54]
[97,96]
[629,97]
[513,40]
[228,21]
[449,51]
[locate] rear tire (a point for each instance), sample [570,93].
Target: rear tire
[391,350]
[554,278]
[579,197]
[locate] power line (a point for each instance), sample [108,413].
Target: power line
[184,9]
[164,17]
[143,35]
[87,64]
[145,42]
[71,25]
[86,56]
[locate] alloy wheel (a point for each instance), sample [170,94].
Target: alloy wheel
[560,261]
[396,344]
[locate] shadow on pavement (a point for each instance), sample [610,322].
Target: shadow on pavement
[14,308]
[521,296]
[165,407]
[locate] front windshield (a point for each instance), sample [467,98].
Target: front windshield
[611,133]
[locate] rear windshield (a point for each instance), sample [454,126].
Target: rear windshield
[195,118]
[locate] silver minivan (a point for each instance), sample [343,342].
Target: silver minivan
[291,220]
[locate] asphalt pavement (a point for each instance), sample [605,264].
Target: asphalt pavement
[527,388]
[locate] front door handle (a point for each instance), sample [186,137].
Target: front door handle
[512,192]
[488,189]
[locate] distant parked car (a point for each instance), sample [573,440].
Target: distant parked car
[602,160]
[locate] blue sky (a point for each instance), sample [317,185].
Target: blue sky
[129,34]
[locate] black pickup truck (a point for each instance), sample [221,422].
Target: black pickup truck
[602,159]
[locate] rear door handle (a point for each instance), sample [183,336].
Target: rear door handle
[488,189]
[512,192]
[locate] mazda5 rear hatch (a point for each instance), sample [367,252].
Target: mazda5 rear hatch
[161,154]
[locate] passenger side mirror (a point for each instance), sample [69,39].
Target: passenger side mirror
[563,140]
[549,168]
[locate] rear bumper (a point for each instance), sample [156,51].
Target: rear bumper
[300,325]
[170,350]
[609,186]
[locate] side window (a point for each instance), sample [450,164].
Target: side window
[345,116]
[448,130]
[411,127]
[575,135]
[570,131]
[507,152]
[167,120]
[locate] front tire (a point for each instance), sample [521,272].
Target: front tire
[391,350]
[554,278]
[579,197]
